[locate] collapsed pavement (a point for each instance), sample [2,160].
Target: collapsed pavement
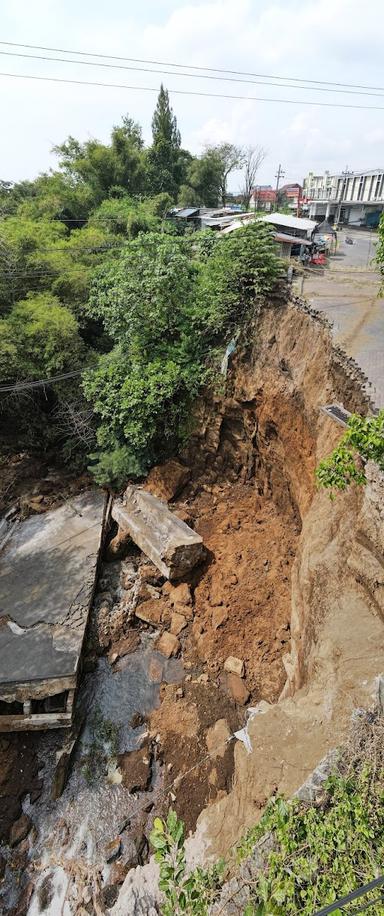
[47,578]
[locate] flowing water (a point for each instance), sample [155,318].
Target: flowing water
[68,860]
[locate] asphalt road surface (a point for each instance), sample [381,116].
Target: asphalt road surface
[348,291]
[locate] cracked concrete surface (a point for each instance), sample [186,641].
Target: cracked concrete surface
[47,575]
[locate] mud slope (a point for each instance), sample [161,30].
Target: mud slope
[272,430]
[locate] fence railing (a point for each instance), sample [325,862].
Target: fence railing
[339,905]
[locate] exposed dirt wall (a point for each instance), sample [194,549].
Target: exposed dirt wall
[271,428]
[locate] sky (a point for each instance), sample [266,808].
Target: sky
[334,40]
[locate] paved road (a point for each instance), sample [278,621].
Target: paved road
[349,293]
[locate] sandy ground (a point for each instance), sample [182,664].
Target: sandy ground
[349,294]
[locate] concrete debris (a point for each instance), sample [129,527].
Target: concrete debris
[173,547]
[47,577]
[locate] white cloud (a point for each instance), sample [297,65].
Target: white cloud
[317,39]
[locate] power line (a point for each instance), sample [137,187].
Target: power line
[89,249]
[161,63]
[190,92]
[228,79]
[40,383]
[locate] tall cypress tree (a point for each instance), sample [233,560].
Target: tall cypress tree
[164,155]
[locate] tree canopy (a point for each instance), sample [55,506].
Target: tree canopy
[92,274]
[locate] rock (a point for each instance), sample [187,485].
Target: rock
[179,693]
[155,670]
[150,611]
[219,616]
[109,895]
[216,593]
[234,666]
[167,480]
[217,738]
[113,849]
[178,623]
[119,546]
[149,573]
[212,778]
[180,595]
[136,722]
[168,645]
[238,689]
[19,830]
[173,547]
[124,646]
[135,767]
[167,588]
[233,580]
[186,517]
[3,865]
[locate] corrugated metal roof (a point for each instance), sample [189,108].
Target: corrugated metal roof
[187,211]
[293,222]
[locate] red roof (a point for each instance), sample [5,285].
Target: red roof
[264,194]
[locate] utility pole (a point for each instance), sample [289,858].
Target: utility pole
[279,174]
[345,176]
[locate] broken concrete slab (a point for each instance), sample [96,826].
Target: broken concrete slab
[47,578]
[173,547]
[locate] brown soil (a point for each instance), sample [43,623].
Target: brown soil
[18,777]
[193,778]
[33,483]
[242,601]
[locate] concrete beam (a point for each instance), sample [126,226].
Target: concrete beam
[171,545]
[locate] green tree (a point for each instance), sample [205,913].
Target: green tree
[39,338]
[166,304]
[225,158]
[204,181]
[164,159]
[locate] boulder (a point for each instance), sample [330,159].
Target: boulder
[173,547]
[234,666]
[167,480]
[150,611]
[135,767]
[217,738]
[168,645]
[180,594]
[178,623]
[238,689]
[19,830]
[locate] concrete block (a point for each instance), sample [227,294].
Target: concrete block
[173,547]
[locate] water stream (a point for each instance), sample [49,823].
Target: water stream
[68,860]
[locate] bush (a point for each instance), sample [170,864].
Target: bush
[167,303]
[363,441]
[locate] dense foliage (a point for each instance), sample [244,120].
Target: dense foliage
[93,275]
[363,441]
[167,302]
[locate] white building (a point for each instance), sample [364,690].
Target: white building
[349,197]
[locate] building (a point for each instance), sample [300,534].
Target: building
[292,225]
[263,197]
[290,195]
[288,242]
[354,198]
